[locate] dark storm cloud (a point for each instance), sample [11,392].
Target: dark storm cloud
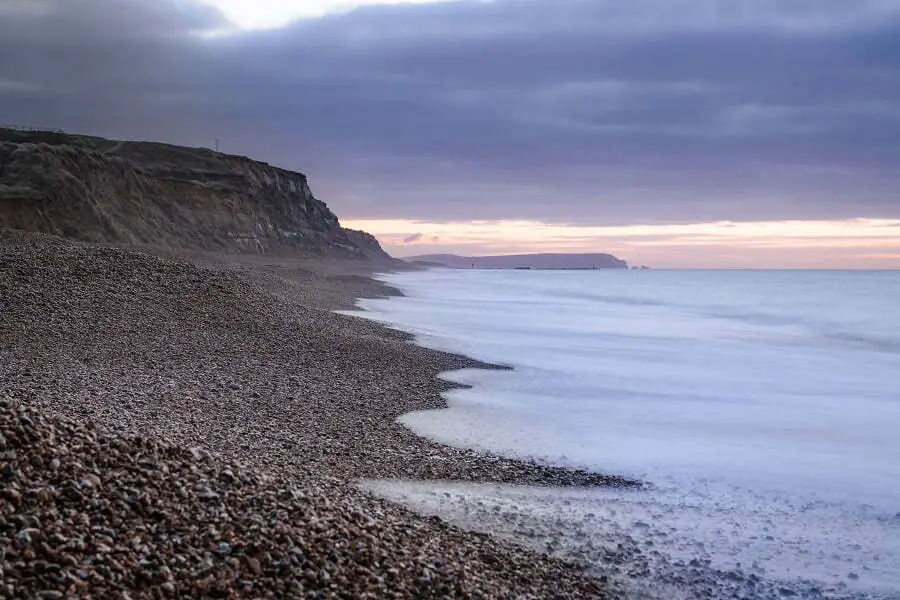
[564,110]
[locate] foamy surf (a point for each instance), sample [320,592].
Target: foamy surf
[761,407]
[662,544]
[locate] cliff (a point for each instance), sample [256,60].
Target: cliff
[101,190]
[523,261]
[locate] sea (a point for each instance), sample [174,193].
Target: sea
[761,410]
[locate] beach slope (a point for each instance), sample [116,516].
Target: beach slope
[206,418]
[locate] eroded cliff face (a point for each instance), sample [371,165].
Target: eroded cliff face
[147,193]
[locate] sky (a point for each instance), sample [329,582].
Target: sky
[672,133]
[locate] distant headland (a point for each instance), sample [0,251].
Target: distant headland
[522,261]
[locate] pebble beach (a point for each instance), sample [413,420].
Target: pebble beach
[195,426]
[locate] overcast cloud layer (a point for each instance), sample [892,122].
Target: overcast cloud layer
[580,111]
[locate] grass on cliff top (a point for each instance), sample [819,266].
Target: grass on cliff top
[157,154]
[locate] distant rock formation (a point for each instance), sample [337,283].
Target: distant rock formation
[101,190]
[523,261]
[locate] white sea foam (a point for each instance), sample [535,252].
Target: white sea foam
[762,406]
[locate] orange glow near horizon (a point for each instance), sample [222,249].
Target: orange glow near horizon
[852,244]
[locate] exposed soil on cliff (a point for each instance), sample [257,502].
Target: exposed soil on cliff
[100,190]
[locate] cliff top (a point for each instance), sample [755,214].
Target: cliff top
[148,153]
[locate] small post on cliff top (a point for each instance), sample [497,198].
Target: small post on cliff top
[217,140]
